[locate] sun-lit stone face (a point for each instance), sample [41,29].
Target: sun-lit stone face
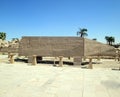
[52,46]
[93,48]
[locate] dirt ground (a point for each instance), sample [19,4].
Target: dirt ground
[45,80]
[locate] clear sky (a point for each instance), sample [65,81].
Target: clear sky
[60,18]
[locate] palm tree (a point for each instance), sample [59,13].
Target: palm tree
[107,39]
[110,40]
[82,32]
[2,35]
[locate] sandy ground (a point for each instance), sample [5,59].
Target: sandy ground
[44,80]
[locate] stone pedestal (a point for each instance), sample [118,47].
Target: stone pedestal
[119,58]
[38,58]
[54,64]
[115,58]
[90,64]
[60,61]
[11,58]
[34,61]
[30,59]
[98,58]
[77,60]
[119,55]
[116,55]
[8,54]
[84,58]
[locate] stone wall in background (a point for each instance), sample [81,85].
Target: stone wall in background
[9,46]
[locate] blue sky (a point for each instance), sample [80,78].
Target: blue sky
[60,18]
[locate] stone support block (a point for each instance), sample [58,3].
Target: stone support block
[90,64]
[60,61]
[34,60]
[77,60]
[11,58]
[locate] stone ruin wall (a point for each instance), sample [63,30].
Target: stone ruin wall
[9,46]
[93,48]
[52,46]
[60,46]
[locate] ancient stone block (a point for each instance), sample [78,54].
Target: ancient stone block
[77,60]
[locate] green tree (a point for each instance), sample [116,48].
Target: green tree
[110,40]
[107,39]
[82,32]
[2,35]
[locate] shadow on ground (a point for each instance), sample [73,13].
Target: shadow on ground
[52,62]
[43,61]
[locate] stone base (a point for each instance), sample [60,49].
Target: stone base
[90,66]
[60,61]
[77,60]
[30,59]
[38,58]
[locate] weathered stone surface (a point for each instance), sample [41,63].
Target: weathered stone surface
[63,46]
[9,49]
[51,46]
[93,48]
